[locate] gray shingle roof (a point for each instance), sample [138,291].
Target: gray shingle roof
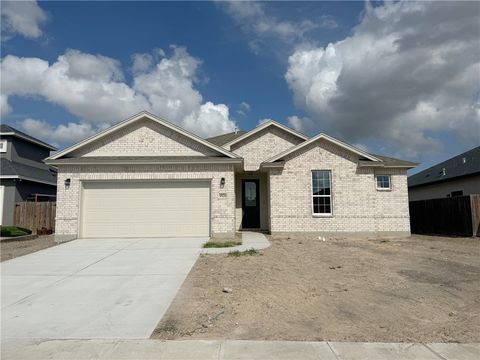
[464,164]
[391,162]
[8,129]
[225,138]
[42,173]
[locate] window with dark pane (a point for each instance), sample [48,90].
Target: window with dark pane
[321,192]
[383,181]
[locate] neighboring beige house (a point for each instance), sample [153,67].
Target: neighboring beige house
[458,176]
[146,177]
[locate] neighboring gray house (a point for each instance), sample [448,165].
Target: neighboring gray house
[23,174]
[146,177]
[457,176]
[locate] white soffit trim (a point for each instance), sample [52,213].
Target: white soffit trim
[264,126]
[137,117]
[328,138]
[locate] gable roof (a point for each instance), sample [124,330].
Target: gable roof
[464,164]
[328,138]
[225,138]
[140,116]
[264,126]
[7,130]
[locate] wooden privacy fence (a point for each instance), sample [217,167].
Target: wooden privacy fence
[35,215]
[458,216]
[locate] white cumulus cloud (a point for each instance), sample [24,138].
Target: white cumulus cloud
[69,133]
[22,17]
[93,88]
[409,70]
[254,18]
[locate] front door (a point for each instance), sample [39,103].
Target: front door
[250,204]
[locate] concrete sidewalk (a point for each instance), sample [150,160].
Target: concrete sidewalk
[250,240]
[234,350]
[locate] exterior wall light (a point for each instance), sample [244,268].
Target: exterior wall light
[67,183]
[222,182]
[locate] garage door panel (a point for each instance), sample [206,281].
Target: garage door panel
[145,209]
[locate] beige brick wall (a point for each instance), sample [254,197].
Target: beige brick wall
[357,205]
[263,145]
[222,207]
[144,138]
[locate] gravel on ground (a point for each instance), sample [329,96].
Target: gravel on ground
[12,249]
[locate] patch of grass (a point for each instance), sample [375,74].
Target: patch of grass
[169,326]
[249,252]
[14,231]
[222,244]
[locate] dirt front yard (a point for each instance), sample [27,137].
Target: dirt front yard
[420,289]
[13,249]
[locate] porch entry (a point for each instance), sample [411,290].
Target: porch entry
[251,204]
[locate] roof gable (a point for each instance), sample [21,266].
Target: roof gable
[264,126]
[263,145]
[152,132]
[329,139]
[144,138]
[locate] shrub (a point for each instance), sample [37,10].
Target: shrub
[14,231]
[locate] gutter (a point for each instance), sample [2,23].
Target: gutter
[27,179]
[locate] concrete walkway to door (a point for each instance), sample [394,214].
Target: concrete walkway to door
[94,288]
[250,240]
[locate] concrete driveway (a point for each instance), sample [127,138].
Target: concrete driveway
[93,289]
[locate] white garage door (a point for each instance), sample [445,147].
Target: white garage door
[145,209]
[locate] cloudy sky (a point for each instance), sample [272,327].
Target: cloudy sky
[399,79]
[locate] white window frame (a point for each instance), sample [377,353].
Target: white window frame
[383,188]
[314,196]
[3,148]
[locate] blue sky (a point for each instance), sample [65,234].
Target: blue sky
[223,65]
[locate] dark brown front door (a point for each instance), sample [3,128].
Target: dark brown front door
[250,204]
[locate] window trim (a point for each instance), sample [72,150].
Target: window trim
[314,214]
[389,182]
[3,149]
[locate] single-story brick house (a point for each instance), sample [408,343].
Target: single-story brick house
[146,177]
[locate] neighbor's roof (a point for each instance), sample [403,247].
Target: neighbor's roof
[223,139]
[464,164]
[14,170]
[6,130]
